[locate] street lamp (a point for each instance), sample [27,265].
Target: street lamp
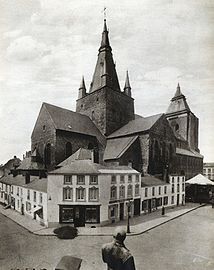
[129,203]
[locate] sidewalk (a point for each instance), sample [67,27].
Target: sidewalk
[138,225]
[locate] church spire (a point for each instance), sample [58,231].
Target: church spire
[82,89]
[127,87]
[105,72]
[178,91]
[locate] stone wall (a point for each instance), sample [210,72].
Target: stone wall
[108,109]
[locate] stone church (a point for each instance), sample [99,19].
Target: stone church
[105,122]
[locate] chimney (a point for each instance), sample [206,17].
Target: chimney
[27,178]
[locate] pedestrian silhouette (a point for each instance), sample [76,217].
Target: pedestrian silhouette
[116,255]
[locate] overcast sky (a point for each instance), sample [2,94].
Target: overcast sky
[47,45]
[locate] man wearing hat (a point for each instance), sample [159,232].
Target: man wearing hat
[116,255]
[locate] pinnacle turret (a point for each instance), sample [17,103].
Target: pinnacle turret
[127,87]
[82,89]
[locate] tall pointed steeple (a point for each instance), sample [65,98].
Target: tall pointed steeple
[82,89]
[105,73]
[178,102]
[127,87]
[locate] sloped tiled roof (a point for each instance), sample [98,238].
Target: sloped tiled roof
[191,152]
[19,180]
[28,164]
[37,184]
[67,120]
[80,154]
[149,180]
[137,125]
[79,167]
[115,148]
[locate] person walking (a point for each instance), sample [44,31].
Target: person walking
[116,255]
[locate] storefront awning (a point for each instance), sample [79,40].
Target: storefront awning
[35,209]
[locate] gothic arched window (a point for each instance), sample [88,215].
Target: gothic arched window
[68,149]
[47,154]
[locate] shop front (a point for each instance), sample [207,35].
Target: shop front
[79,215]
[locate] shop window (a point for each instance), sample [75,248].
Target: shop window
[113,179]
[158,202]
[80,194]
[122,191]
[144,205]
[130,191]
[93,194]
[93,180]
[137,190]
[91,215]
[80,179]
[67,214]
[122,179]
[67,193]
[113,194]
[68,179]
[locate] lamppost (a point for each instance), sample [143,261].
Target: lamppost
[129,204]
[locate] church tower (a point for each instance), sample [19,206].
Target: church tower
[107,106]
[182,120]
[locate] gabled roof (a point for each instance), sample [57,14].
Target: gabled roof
[186,152]
[136,126]
[67,120]
[79,167]
[80,154]
[28,164]
[116,147]
[149,180]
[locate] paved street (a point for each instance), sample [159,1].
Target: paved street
[184,243]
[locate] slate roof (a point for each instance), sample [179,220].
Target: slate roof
[186,152]
[37,184]
[209,164]
[136,126]
[19,180]
[200,180]
[149,180]
[115,148]
[79,167]
[80,154]
[67,120]
[28,164]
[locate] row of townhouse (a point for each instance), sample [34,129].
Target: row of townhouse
[28,198]
[84,193]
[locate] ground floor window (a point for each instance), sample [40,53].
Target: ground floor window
[91,214]
[144,205]
[153,203]
[67,214]
[165,200]
[113,211]
[159,202]
[172,200]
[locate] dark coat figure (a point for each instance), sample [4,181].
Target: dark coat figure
[116,255]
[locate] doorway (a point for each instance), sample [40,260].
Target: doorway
[137,207]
